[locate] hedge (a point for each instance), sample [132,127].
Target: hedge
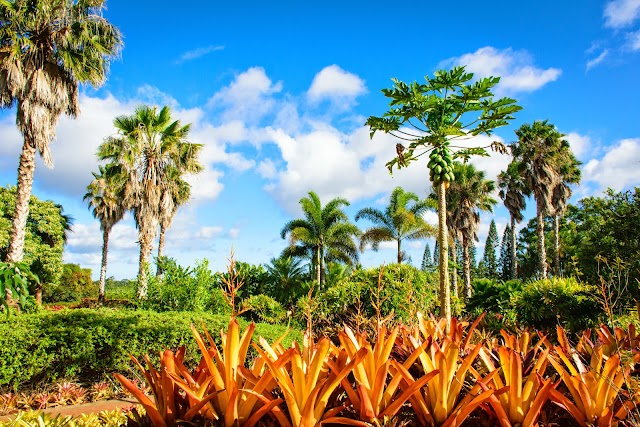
[86,344]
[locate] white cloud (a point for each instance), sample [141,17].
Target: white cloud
[579,144]
[154,96]
[247,98]
[619,168]
[621,13]
[514,67]
[198,53]
[633,40]
[337,85]
[597,60]
[267,169]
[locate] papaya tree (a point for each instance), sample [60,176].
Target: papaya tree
[437,117]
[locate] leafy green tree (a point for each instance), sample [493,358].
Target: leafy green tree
[489,260]
[569,174]
[324,234]
[108,208]
[469,194]
[427,262]
[513,190]
[541,154]
[44,240]
[402,220]
[75,283]
[604,240]
[152,151]
[49,47]
[447,109]
[505,268]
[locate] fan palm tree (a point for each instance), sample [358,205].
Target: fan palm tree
[570,173]
[106,207]
[468,194]
[539,152]
[324,234]
[151,149]
[401,220]
[512,192]
[47,48]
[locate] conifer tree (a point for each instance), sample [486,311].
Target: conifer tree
[489,259]
[504,263]
[427,261]
[436,254]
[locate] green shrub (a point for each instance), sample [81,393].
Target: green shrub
[543,304]
[85,344]
[263,308]
[404,290]
[493,297]
[182,288]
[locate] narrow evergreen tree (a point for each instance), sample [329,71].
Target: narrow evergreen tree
[436,254]
[504,263]
[427,261]
[489,260]
[473,258]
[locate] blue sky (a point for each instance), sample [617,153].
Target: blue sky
[279,92]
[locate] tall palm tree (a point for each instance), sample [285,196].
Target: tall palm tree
[468,194]
[570,173]
[107,207]
[401,220]
[512,192]
[324,234]
[151,148]
[47,48]
[539,152]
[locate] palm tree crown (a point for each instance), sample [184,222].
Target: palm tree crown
[401,220]
[324,234]
[47,47]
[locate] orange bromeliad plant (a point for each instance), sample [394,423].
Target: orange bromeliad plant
[377,397]
[308,378]
[595,389]
[442,401]
[520,390]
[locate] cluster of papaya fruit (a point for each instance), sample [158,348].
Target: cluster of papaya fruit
[441,165]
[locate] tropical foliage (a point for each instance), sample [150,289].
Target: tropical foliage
[402,220]
[49,47]
[324,234]
[435,117]
[150,154]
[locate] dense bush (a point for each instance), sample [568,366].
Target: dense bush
[185,289]
[85,344]
[75,283]
[263,308]
[543,304]
[492,296]
[403,291]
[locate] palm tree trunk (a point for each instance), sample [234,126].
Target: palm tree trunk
[445,296]
[103,267]
[399,252]
[454,269]
[323,270]
[542,253]
[26,170]
[318,266]
[514,258]
[466,260]
[160,250]
[145,254]
[556,244]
